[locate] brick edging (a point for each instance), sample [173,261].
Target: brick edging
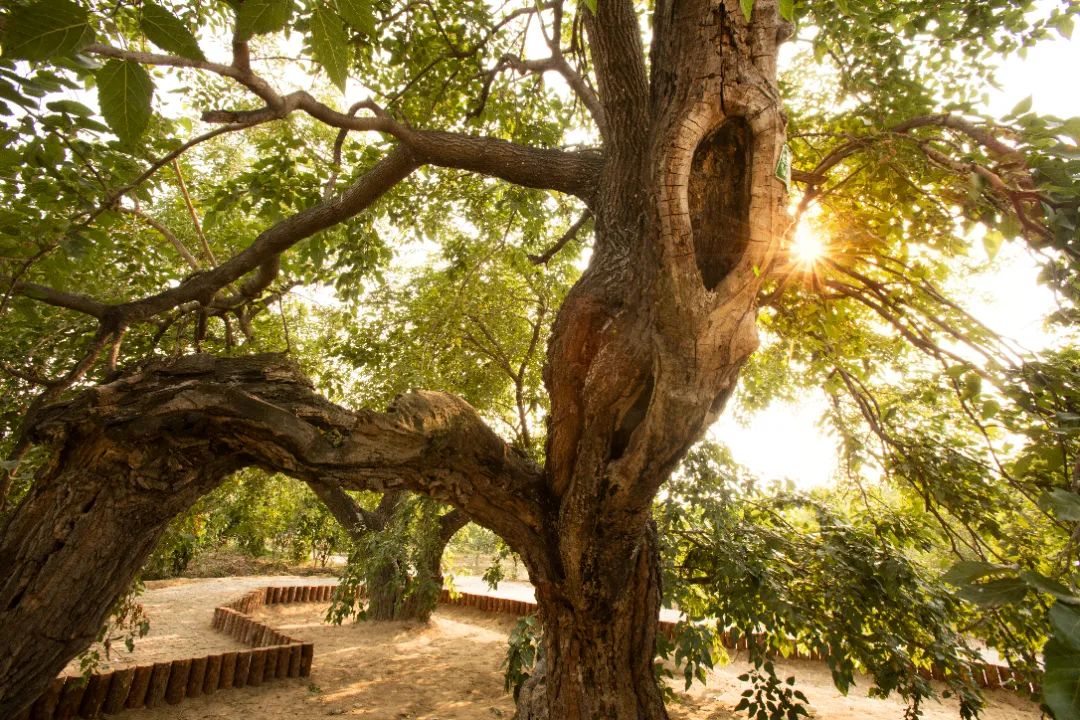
[272,656]
[987,675]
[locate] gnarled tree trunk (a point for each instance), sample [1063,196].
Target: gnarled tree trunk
[127,457]
[76,542]
[647,347]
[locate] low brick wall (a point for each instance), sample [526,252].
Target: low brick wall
[986,675]
[274,655]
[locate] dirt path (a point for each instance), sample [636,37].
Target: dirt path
[448,669]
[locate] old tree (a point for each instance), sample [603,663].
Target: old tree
[171,171]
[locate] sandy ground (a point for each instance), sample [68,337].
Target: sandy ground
[180,612]
[445,670]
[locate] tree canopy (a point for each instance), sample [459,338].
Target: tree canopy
[557,239]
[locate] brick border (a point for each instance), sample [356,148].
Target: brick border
[987,675]
[274,655]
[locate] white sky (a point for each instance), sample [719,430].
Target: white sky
[786,441]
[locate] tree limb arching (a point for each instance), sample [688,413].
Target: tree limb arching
[552,169]
[149,444]
[263,407]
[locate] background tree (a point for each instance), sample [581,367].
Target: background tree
[682,174]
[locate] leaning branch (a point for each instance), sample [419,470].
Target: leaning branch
[262,253]
[572,173]
[544,257]
[263,411]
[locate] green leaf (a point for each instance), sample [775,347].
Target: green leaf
[1065,621]
[972,386]
[124,93]
[787,10]
[967,571]
[1063,504]
[747,8]
[956,371]
[1064,25]
[168,33]
[48,28]
[69,107]
[258,17]
[995,592]
[359,14]
[330,45]
[992,243]
[1061,682]
[1021,107]
[1049,586]
[591,4]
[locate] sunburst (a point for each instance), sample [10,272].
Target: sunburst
[808,248]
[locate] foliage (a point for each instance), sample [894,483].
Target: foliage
[256,514]
[524,650]
[127,622]
[785,570]
[394,564]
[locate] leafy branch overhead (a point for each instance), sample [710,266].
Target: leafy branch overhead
[546,245]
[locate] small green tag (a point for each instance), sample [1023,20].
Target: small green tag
[783,167]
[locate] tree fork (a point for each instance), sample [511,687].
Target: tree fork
[649,343]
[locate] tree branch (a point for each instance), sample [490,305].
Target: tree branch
[262,253]
[544,257]
[262,410]
[60,298]
[615,42]
[190,259]
[572,173]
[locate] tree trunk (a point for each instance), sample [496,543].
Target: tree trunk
[389,597]
[599,647]
[75,543]
[386,593]
[648,345]
[426,586]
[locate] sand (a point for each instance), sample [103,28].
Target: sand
[444,670]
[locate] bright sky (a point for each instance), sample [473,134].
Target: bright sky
[786,440]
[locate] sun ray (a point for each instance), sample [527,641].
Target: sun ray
[807,247]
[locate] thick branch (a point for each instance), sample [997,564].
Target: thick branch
[262,253]
[59,298]
[615,41]
[571,173]
[350,514]
[262,409]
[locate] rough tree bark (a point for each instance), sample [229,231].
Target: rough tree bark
[128,456]
[648,345]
